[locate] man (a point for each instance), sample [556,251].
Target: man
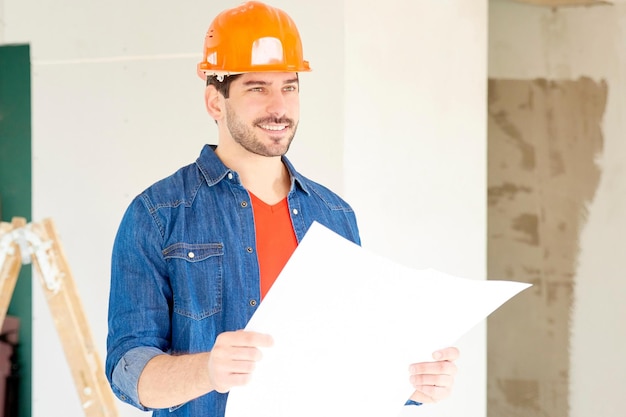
[196,252]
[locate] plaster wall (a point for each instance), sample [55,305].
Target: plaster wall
[585,46]
[415,148]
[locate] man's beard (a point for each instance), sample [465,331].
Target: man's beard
[244,135]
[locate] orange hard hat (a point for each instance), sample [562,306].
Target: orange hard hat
[253,37]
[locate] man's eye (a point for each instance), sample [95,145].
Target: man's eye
[291,88]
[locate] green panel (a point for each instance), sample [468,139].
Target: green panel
[15,190]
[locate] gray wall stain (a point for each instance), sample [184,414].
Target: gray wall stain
[544,138]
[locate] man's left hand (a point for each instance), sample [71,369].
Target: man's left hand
[433,380]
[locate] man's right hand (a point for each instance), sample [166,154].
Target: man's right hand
[233,358]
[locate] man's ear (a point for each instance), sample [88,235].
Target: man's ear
[214,102]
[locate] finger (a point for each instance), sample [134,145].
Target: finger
[419,381]
[237,380]
[243,354]
[223,380]
[420,397]
[251,339]
[430,394]
[434,368]
[447,354]
[235,366]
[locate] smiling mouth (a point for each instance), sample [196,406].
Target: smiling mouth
[274,124]
[274,128]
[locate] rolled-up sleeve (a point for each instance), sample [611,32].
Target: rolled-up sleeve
[127,371]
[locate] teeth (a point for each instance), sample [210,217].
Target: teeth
[275,128]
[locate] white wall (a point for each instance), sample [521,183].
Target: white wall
[117,105]
[415,148]
[528,42]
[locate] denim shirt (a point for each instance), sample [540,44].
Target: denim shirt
[184,268]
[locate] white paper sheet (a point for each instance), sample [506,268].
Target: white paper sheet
[346,325]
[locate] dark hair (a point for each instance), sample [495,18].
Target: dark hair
[223,86]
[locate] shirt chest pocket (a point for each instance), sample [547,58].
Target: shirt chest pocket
[196,278]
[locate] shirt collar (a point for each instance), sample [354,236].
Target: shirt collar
[214,170]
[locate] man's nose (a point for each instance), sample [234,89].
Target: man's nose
[277,105]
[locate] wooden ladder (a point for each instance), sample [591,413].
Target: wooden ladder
[22,243]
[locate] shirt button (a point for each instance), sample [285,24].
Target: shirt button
[252,303]
[191,255]
[230,175]
[295,211]
[249,249]
[244,204]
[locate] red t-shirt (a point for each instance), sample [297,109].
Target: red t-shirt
[275,239]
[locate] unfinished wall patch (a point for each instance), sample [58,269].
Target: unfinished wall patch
[544,138]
